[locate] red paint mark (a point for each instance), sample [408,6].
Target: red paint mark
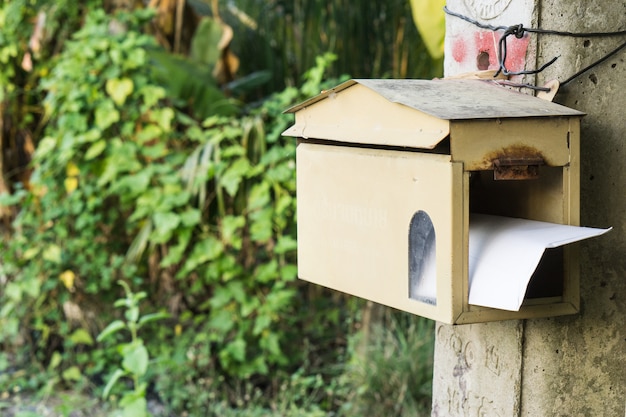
[486,42]
[458,50]
[516,53]
[516,49]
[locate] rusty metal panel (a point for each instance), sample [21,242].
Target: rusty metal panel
[480,143]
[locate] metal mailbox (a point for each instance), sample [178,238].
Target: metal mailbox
[388,172]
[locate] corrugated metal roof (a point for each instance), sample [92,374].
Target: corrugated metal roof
[455,99]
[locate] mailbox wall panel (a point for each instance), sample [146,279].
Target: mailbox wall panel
[355,208]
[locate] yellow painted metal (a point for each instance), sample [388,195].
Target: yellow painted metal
[354,210]
[362,116]
[364,170]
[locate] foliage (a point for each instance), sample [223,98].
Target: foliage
[394,374]
[147,175]
[30,33]
[127,187]
[370,39]
[135,358]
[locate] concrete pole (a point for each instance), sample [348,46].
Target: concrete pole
[566,366]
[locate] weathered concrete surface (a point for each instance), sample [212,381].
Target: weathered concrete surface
[476,364]
[577,366]
[567,366]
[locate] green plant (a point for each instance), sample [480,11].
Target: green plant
[391,371]
[130,181]
[135,189]
[373,39]
[134,354]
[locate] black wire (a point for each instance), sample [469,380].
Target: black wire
[519,30]
[598,62]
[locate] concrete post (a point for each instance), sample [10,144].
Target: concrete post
[566,366]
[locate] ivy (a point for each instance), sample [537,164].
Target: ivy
[127,186]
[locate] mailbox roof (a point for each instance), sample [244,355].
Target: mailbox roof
[454,99]
[411,113]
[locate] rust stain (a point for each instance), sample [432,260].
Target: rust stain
[516,162]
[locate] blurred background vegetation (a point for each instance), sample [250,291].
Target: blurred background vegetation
[141,144]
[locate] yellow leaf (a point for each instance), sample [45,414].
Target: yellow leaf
[429,18]
[119,89]
[67,278]
[71,170]
[71,183]
[178,329]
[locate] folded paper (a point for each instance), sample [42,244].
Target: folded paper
[504,252]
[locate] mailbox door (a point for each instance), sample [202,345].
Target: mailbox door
[383,225]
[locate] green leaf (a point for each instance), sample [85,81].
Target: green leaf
[204,44]
[135,58]
[221,297]
[13,291]
[163,117]
[72,374]
[112,328]
[233,175]
[164,223]
[55,361]
[289,272]
[135,358]
[132,314]
[95,149]
[259,196]
[30,253]
[203,251]
[148,133]
[152,94]
[119,89]
[261,323]
[175,253]
[221,322]
[230,227]
[81,337]
[152,317]
[190,217]
[106,115]
[270,343]
[234,350]
[266,272]
[136,408]
[261,227]
[285,244]
[281,173]
[45,146]
[116,375]
[52,253]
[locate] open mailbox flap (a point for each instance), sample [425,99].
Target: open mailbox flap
[504,252]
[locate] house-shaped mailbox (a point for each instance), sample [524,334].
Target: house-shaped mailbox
[388,172]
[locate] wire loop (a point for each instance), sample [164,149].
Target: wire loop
[519,31]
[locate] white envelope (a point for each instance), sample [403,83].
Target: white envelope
[515,246]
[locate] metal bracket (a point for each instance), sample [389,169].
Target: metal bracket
[517,168]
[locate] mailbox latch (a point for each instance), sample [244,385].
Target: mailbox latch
[517,168]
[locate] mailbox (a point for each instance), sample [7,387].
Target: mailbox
[390,177]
